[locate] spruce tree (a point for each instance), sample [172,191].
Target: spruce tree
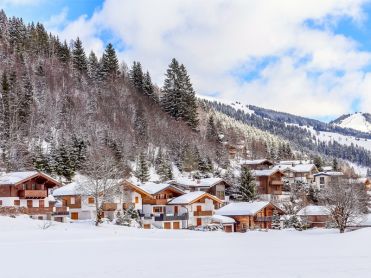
[148,87]
[142,171]
[5,105]
[79,61]
[212,132]
[171,90]
[276,222]
[335,165]
[109,63]
[93,67]
[247,186]
[136,77]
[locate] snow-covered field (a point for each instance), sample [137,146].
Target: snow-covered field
[81,250]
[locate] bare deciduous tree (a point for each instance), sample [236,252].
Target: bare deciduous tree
[103,180]
[347,202]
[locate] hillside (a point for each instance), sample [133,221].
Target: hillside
[357,121]
[311,136]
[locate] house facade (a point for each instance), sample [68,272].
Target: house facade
[269,183]
[315,216]
[82,207]
[257,164]
[250,215]
[298,173]
[323,179]
[30,193]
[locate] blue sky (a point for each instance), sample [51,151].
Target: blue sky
[304,57]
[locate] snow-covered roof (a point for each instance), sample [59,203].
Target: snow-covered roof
[67,190]
[327,168]
[206,182]
[313,210]
[16,177]
[294,162]
[187,198]
[299,168]
[255,161]
[223,219]
[153,188]
[243,208]
[264,173]
[330,173]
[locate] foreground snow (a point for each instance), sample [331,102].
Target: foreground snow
[82,250]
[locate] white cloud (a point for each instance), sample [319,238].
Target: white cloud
[214,38]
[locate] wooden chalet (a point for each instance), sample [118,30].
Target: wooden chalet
[250,215]
[315,216]
[199,206]
[269,181]
[30,192]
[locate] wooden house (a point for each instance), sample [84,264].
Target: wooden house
[315,216]
[366,182]
[323,179]
[82,207]
[30,192]
[298,173]
[199,206]
[269,182]
[151,200]
[250,215]
[214,186]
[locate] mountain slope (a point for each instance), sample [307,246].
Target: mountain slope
[358,121]
[305,135]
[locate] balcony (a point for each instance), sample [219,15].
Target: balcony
[164,217]
[203,213]
[61,211]
[32,194]
[263,219]
[33,211]
[109,207]
[276,182]
[159,202]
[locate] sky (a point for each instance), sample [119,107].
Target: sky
[309,57]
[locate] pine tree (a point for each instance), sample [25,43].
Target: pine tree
[212,132]
[142,171]
[276,222]
[171,90]
[93,67]
[318,162]
[247,186]
[64,53]
[79,61]
[39,160]
[5,105]
[140,127]
[136,77]
[188,99]
[109,63]
[149,88]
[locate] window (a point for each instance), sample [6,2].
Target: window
[17,202]
[322,180]
[1,202]
[136,200]
[41,204]
[72,200]
[157,209]
[91,200]
[29,204]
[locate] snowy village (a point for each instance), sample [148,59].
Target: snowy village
[188,139]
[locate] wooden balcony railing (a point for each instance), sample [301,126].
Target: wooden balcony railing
[61,211]
[39,210]
[160,202]
[33,194]
[276,182]
[164,217]
[263,219]
[203,213]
